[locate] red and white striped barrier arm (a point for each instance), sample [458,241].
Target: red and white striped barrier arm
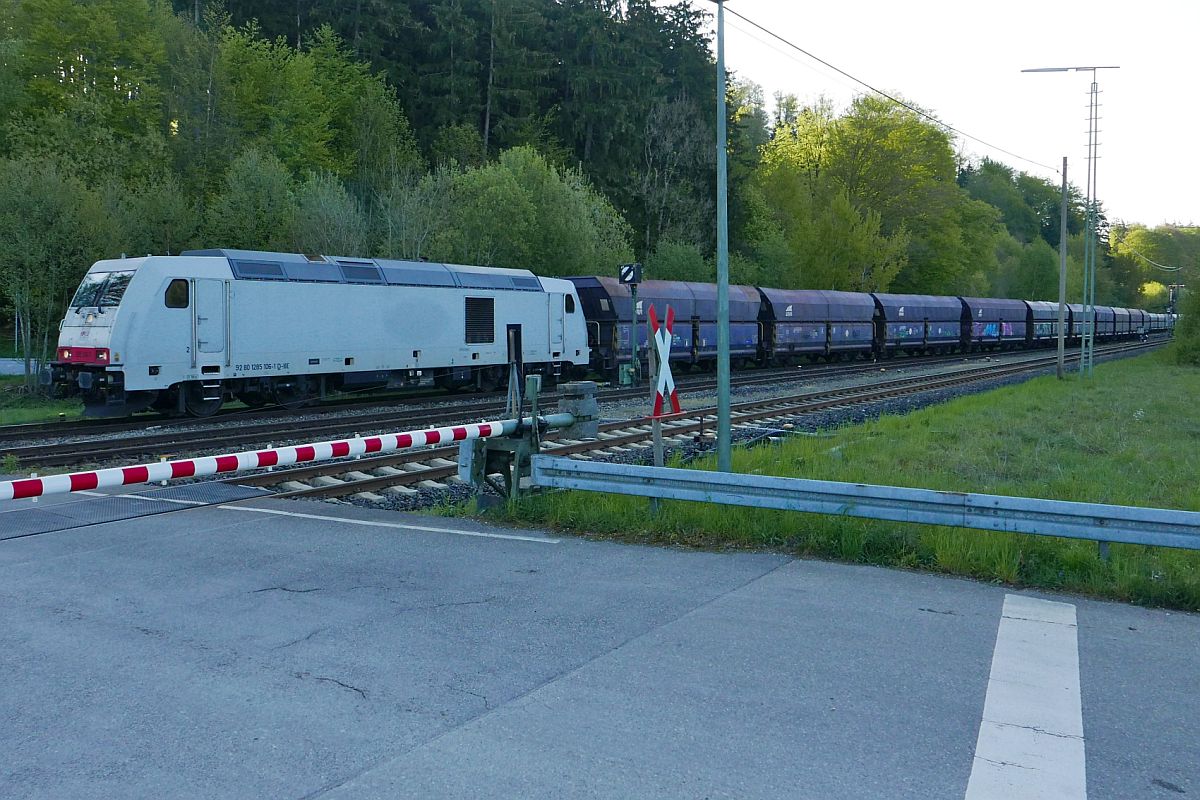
[253,459]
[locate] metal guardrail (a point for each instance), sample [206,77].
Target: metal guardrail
[1092,521]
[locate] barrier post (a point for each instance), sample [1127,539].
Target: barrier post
[510,457]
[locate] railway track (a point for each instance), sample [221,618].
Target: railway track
[13,438]
[435,468]
[142,442]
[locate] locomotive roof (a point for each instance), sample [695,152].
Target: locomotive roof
[261,265]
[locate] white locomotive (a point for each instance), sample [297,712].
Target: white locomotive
[188,332]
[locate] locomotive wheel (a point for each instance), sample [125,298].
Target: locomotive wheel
[294,391]
[195,402]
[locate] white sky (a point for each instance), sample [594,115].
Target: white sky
[963,60]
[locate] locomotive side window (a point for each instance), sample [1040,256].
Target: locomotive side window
[570,304]
[176,295]
[481,320]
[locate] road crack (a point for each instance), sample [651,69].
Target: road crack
[361,692]
[286,589]
[298,641]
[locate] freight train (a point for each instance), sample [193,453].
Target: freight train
[187,333]
[784,326]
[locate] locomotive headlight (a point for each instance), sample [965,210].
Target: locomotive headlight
[102,355]
[66,354]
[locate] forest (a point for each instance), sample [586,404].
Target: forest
[562,136]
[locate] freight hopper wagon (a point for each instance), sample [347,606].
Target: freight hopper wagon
[915,323]
[991,323]
[609,309]
[811,323]
[188,332]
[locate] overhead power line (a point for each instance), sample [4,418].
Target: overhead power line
[881,93]
[1152,262]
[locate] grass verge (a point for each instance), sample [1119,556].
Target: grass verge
[18,405]
[1127,437]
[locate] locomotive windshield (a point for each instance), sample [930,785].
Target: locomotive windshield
[103,289]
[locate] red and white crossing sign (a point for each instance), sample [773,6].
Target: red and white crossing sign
[660,336]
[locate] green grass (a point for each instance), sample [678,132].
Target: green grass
[18,405]
[1127,437]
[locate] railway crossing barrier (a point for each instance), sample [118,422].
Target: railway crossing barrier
[510,456]
[573,396]
[1090,521]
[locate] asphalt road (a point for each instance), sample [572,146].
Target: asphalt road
[224,653]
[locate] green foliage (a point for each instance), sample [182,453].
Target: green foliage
[521,211]
[155,217]
[328,219]
[458,144]
[560,137]
[828,241]
[256,208]
[52,228]
[673,260]
[1187,330]
[1095,441]
[1142,256]
[1027,271]
[411,210]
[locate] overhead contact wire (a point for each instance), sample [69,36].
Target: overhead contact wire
[896,100]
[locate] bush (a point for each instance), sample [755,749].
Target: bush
[1187,332]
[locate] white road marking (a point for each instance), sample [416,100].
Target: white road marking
[163,499]
[144,497]
[398,525]
[1030,742]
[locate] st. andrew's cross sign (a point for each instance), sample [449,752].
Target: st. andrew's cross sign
[661,339]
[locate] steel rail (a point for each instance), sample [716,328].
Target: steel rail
[694,421]
[61,454]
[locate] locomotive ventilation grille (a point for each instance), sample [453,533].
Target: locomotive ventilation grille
[481,320]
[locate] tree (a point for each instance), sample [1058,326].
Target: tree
[893,162]
[673,155]
[521,211]
[329,220]
[679,261]
[157,217]
[52,230]
[411,210]
[256,209]
[830,242]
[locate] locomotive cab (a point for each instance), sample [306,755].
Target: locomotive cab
[86,362]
